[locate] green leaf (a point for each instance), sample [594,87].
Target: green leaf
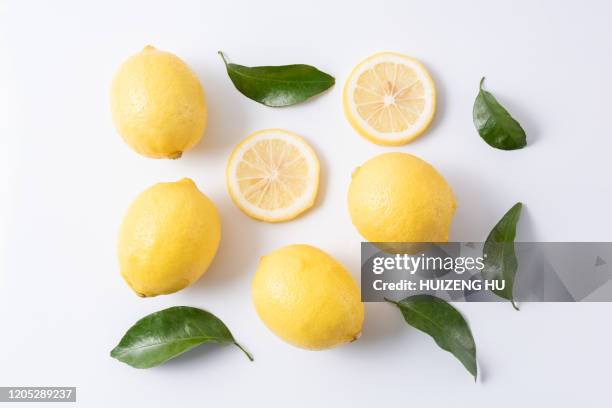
[163,335]
[494,123]
[500,262]
[276,86]
[444,323]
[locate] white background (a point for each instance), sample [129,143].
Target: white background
[67,179]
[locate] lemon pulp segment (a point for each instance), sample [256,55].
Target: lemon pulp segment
[390,98]
[273,175]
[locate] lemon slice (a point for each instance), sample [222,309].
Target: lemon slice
[390,98]
[273,175]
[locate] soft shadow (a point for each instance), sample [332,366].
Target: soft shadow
[476,215]
[240,237]
[441,100]
[198,356]
[471,221]
[323,176]
[383,321]
[483,372]
[525,230]
[519,110]
[227,121]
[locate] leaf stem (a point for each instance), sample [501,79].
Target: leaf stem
[244,351]
[223,57]
[481,82]
[391,301]
[515,306]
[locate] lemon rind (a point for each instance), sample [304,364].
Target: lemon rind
[301,205]
[394,138]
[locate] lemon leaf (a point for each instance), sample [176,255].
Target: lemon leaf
[494,124]
[500,262]
[166,334]
[444,323]
[276,86]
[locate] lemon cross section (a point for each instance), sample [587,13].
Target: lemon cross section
[390,99]
[273,175]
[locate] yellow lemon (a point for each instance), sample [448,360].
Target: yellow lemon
[397,197]
[273,175]
[168,238]
[158,104]
[389,98]
[307,298]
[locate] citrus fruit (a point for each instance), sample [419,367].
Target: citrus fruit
[273,175]
[389,98]
[307,298]
[397,197]
[168,238]
[158,104]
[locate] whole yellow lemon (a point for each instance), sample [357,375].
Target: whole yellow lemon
[168,238]
[397,197]
[307,298]
[158,104]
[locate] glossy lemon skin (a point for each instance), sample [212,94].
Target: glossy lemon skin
[307,298]
[168,238]
[158,105]
[397,197]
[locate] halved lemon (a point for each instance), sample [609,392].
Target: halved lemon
[273,175]
[390,98]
